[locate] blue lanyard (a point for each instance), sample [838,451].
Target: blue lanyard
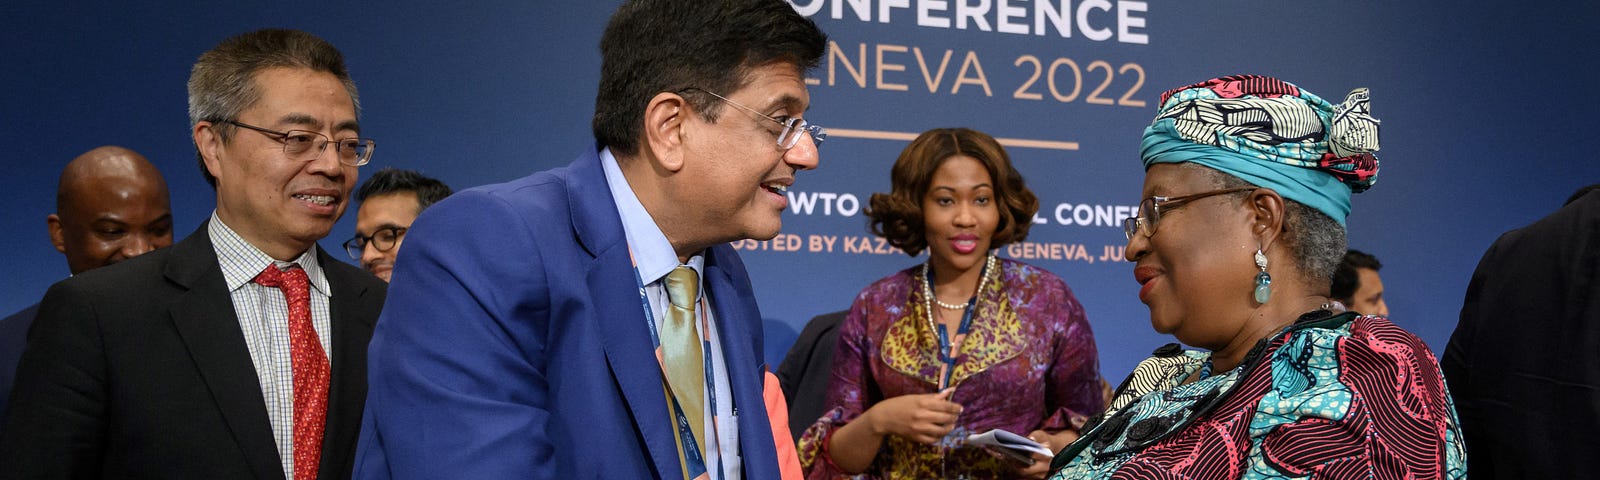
[947,354]
[697,463]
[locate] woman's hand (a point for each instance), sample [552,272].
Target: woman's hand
[1040,467]
[924,418]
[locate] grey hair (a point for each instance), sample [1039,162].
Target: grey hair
[1315,240]
[222,82]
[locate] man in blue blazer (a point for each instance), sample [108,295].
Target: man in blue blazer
[530,330]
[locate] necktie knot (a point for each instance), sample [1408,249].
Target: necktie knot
[683,287]
[291,279]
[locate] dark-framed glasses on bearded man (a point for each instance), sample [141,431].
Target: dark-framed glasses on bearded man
[383,240]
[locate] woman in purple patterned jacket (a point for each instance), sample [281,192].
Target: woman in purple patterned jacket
[962,344]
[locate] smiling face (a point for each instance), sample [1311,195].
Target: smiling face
[1196,272]
[960,215]
[395,210]
[112,216]
[734,174]
[281,205]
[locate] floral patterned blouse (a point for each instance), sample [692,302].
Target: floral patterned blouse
[1333,396]
[1028,363]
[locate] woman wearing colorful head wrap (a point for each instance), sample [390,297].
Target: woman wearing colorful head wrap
[1247,185]
[962,344]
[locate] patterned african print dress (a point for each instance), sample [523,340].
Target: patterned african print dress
[1334,396]
[1029,363]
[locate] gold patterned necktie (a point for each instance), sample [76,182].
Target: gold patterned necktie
[681,357]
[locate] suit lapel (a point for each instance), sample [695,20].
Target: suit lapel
[613,292]
[736,309]
[631,355]
[351,317]
[205,319]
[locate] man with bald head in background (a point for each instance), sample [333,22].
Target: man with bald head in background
[111,205]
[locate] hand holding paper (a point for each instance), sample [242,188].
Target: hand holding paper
[1008,442]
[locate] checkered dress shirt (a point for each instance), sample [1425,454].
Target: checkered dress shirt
[264,319]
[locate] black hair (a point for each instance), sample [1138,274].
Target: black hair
[655,46]
[392,180]
[1347,279]
[1581,192]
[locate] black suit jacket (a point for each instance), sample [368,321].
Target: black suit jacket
[140,370]
[1522,364]
[807,369]
[13,336]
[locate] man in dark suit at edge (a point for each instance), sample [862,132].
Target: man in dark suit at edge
[1521,363]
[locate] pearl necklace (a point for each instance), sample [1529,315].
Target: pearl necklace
[928,299]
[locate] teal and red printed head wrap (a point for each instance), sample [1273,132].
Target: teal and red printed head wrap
[1272,134]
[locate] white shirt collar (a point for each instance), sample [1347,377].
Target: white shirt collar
[652,252]
[241,261]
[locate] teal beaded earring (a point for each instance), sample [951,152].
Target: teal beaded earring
[1263,280]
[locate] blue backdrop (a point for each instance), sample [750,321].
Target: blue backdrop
[1484,107]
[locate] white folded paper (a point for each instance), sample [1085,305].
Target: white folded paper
[1008,441]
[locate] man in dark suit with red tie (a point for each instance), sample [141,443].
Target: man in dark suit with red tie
[239,352]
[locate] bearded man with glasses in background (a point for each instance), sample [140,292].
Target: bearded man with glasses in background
[390,201]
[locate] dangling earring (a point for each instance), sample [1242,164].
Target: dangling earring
[1263,280]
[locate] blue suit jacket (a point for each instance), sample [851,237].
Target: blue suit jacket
[514,344]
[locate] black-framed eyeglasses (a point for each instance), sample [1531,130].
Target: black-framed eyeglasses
[305,145]
[792,126]
[1150,210]
[383,240]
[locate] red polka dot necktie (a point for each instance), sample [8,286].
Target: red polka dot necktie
[310,366]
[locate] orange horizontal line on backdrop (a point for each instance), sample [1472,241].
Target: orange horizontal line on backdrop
[1009,142]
